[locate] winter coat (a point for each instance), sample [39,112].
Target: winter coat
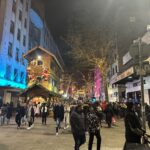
[58,112]
[132,123]
[77,123]
[93,122]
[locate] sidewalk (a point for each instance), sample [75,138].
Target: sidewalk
[43,137]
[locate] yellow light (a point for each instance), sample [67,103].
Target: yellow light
[39,57]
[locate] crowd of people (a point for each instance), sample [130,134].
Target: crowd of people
[83,117]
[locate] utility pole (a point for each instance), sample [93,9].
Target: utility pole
[142,85]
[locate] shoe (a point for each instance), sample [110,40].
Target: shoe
[56,133]
[28,128]
[32,125]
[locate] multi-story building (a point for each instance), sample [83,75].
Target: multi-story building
[14,37]
[129,72]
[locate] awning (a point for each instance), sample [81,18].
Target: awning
[37,90]
[126,76]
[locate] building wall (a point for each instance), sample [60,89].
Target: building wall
[136,86]
[17,45]
[47,74]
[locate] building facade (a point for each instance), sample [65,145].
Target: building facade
[129,72]
[14,39]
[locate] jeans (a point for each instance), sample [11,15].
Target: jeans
[91,138]
[79,140]
[57,124]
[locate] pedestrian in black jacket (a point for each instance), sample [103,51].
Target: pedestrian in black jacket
[77,127]
[18,116]
[133,128]
[109,115]
[58,115]
[8,113]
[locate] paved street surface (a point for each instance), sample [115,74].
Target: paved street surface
[43,137]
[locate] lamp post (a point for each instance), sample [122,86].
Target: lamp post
[142,84]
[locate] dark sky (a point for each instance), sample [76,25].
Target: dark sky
[118,12]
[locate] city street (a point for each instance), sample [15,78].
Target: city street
[43,137]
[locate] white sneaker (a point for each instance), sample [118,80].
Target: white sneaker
[28,128]
[32,125]
[56,133]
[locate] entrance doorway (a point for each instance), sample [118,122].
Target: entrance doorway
[38,100]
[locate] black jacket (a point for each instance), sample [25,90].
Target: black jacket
[77,123]
[58,112]
[133,128]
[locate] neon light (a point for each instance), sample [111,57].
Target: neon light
[4,82]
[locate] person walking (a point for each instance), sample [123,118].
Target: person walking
[30,112]
[109,115]
[18,116]
[44,111]
[8,113]
[133,128]
[58,115]
[67,116]
[94,128]
[77,127]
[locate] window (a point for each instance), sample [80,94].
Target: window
[25,23]
[116,69]
[14,6]
[39,62]
[8,72]
[10,49]
[24,40]
[22,59]
[12,27]
[18,35]
[20,15]
[15,74]
[17,54]
[26,6]
[113,71]
[22,77]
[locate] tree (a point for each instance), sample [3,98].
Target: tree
[91,44]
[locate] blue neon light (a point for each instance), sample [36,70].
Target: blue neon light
[4,82]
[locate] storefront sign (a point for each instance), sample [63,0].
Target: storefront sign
[126,58]
[125,74]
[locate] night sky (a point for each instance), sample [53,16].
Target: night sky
[58,13]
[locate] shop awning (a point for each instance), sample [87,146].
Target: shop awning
[126,76]
[37,90]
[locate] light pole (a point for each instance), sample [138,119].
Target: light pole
[142,85]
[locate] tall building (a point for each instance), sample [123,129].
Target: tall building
[14,37]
